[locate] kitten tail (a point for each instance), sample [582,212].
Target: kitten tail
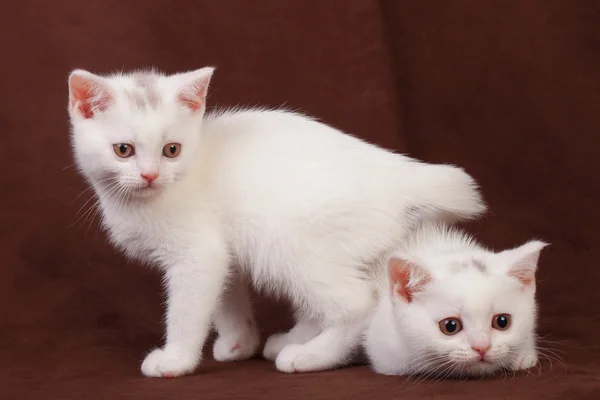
[448,193]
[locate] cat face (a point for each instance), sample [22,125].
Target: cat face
[135,135]
[474,319]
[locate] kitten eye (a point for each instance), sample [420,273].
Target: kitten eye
[171,150]
[501,322]
[124,150]
[450,326]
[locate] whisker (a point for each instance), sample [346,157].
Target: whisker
[91,188]
[67,167]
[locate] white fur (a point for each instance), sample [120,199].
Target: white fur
[271,198]
[404,337]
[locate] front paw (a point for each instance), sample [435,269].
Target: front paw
[169,363]
[275,343]
[526,361]
[298,358]
[236,346]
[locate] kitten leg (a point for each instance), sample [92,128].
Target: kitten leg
[238,333]
[527,358]
[193,290]
[303,331]
[333,347]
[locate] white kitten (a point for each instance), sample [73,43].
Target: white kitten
[452,307]
[290,204]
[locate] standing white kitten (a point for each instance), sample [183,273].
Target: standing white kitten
[453,308]
[296,207]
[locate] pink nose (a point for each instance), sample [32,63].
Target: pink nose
[481,349]
[150,177]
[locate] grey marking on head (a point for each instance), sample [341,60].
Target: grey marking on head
[480,266]
[458,267]
[144,95]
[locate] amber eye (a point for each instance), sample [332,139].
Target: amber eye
[501,322]
[171,150]
[124,150]
[450,326]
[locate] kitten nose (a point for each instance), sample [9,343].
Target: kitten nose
[150,177]
[481,349]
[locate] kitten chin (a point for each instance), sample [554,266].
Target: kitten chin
[148,192]
[452,308]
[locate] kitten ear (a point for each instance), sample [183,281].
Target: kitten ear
[406,278]
[89,94]
[523,261]
[193,87]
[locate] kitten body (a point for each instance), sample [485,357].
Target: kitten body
[271,198]
[453,308]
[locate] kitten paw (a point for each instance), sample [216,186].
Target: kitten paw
[295,358]
[275,343]
[303,331]
[168,363]
[527,361]
[237,346]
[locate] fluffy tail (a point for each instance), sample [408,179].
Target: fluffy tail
[445,192]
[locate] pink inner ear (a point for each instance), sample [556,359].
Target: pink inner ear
[400,273]
[194,103]
[88,97]
[399,278]
[524,260]
[526,277]
[193,96]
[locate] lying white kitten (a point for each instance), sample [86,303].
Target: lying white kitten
[453,308]
[298,208]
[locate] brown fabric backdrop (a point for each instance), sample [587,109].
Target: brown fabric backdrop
[508,89]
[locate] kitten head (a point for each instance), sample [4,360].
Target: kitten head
[135,134]
[464,311]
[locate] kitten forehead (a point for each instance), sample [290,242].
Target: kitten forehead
[462,266]
[143,93]
[472,290]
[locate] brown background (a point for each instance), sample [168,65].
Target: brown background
[508,89]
